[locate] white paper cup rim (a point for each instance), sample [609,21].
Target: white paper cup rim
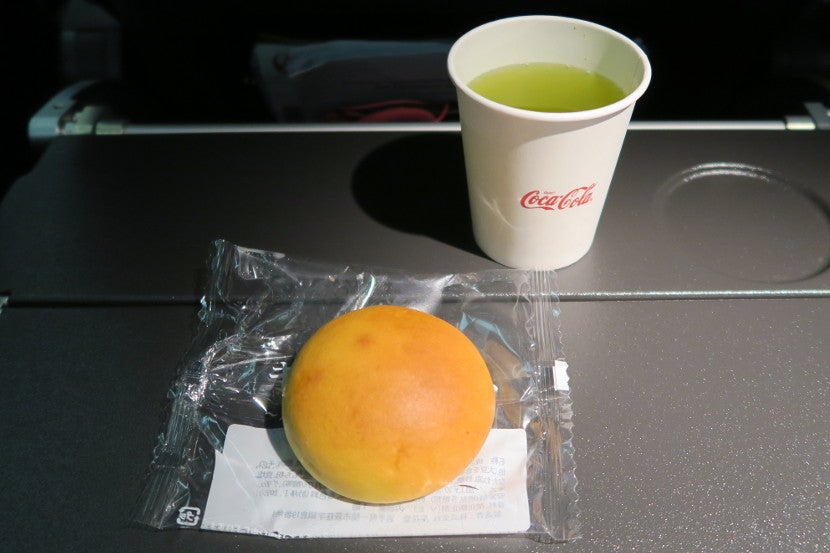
[585,115]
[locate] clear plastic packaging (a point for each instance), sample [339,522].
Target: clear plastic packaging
[258,310]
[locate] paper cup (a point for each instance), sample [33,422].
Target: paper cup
[537,181]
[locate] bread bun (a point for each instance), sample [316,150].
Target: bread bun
[387,404]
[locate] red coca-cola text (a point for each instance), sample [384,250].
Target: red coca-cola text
[536,199]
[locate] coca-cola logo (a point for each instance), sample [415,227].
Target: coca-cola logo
[551,201]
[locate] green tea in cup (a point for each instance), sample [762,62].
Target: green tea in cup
[547,87]
[544,104]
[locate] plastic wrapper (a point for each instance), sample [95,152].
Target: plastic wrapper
[220,465]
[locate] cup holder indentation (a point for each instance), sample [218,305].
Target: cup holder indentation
[745,222]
